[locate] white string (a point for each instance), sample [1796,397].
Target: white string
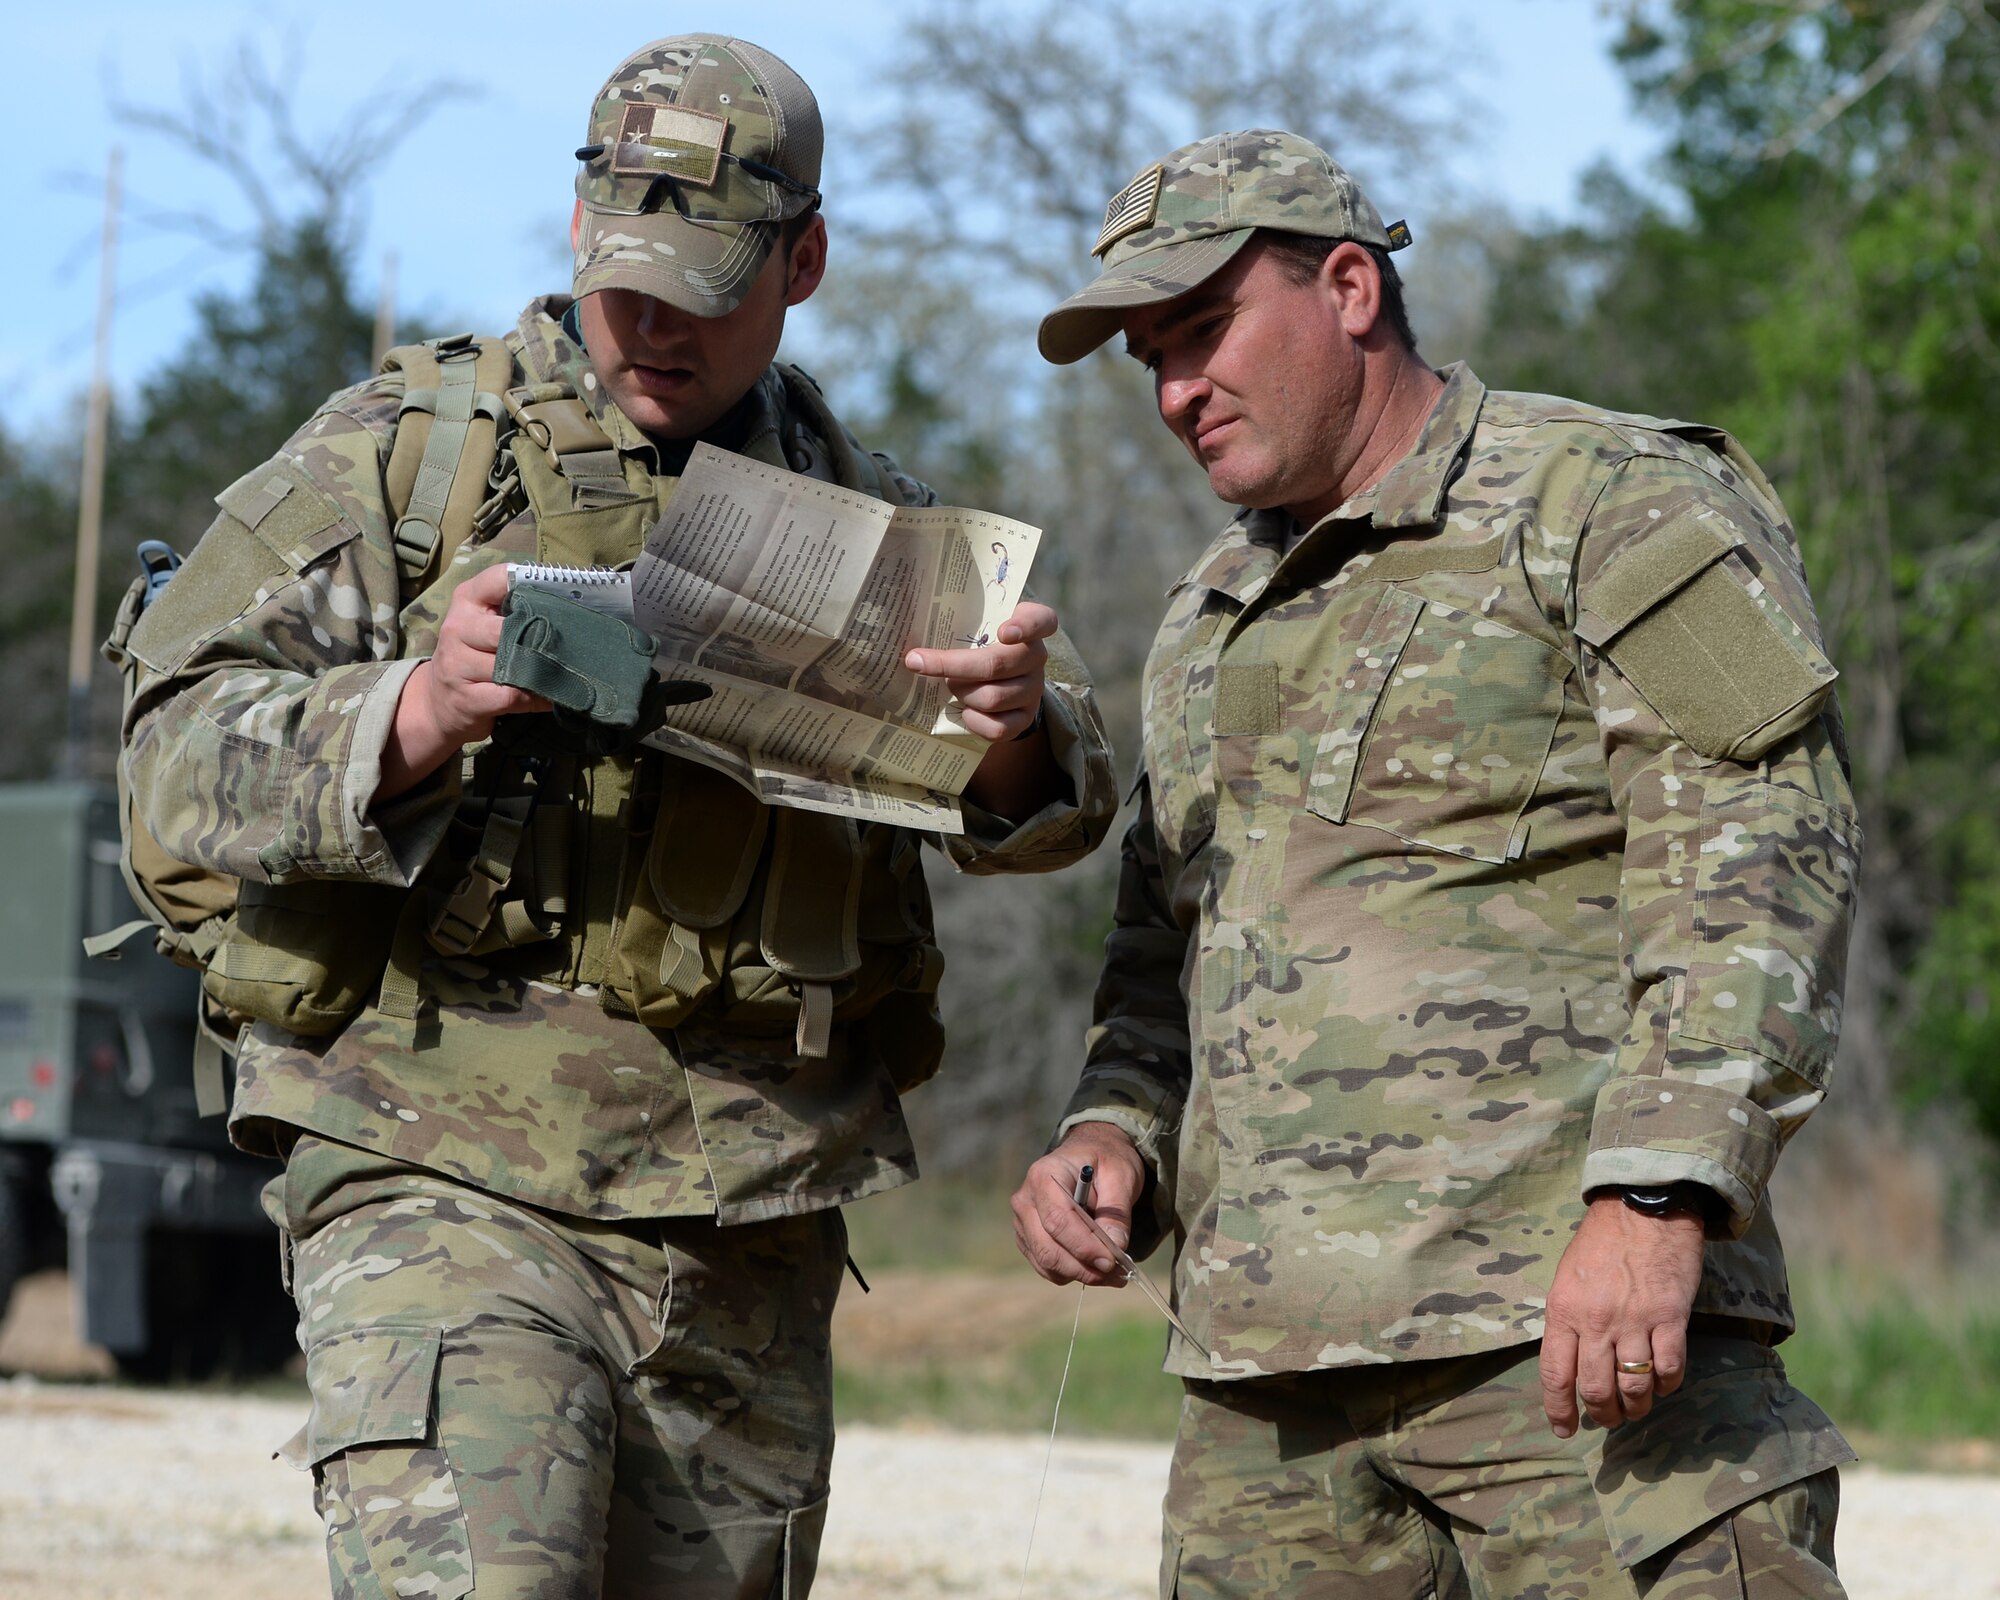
[1042,1487]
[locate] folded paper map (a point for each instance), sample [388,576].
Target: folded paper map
[796,601]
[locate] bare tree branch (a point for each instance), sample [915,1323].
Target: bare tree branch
[240,118]
[1907,35]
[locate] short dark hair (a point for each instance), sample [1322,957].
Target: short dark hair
[1300,256]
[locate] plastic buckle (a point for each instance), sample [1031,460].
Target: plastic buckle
[463,918]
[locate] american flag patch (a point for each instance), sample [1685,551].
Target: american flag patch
[678,141]
[1131,208]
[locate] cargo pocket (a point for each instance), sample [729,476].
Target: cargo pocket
[1734,1432]
[385,1485]
[672,941]
[305,956]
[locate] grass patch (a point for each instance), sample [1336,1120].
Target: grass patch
[1116,1389]
[1903,1367]
[938,1222]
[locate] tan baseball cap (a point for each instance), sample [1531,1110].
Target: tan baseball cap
[1179,221]
[699,147]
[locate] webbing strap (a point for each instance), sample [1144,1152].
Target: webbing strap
[595,476]
[815,1035]
[209,1100]
[255,963]
[211,1053]
[402,988]
[108,944]
[681,966]
[418,533]
[468,910]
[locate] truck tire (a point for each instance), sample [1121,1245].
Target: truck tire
[16,1246]
[215,1308]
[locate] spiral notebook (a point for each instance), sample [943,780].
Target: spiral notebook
[604,589]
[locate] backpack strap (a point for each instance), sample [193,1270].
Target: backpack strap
[853,467]
[447,436]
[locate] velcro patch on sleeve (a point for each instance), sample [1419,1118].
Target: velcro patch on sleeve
[1646,573]
[1719,670]
[1246,698]
[297,522]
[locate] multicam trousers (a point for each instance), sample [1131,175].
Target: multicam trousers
[1443,1478]
[512,1403]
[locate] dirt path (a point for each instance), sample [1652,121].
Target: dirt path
[117,1494]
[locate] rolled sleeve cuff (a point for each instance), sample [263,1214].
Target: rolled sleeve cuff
[1064,830]
[1656,1130]
[333,828]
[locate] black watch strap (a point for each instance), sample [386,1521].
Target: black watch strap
[1671,1199]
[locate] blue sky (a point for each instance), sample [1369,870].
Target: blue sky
[1549,105]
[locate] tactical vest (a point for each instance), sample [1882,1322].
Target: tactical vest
[655,883]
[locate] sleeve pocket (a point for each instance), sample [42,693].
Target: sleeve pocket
[271,529]
[1693,628]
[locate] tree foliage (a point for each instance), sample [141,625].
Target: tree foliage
[255,366]
[1822,283]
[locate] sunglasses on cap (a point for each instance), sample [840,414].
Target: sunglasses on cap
[676,153]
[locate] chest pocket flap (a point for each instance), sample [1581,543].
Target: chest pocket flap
[1686,617]
[1459,733]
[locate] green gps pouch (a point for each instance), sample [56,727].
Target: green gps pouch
[579,660]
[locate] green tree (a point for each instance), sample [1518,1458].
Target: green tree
[37,535]
[254,368]
[1820,281]
[256,365]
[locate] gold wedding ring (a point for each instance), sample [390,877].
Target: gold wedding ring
[1636,1369]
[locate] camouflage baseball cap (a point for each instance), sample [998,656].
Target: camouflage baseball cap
[1181,220]
[699,147]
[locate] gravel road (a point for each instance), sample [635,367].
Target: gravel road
[121,1494]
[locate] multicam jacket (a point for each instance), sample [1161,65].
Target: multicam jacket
[254,747]
[1495,844]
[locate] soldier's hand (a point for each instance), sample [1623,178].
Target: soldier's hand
[998,685]
[451,700]
[1047,1228]
[1622,1293]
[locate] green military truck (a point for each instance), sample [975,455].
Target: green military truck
[104,1164]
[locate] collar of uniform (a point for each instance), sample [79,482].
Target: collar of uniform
[552,355]
[1241,560]
[1411,493]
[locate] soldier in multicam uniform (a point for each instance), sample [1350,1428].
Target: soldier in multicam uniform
[1479,945]
[562,1198]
